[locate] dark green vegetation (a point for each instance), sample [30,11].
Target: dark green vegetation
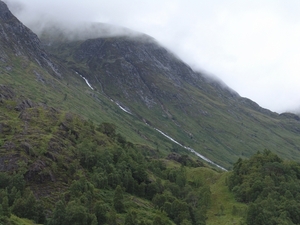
[195,110]
[84,173]
[28,71]
[270,186]
[147,80]
[70,155]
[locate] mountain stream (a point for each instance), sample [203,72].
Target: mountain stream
[171,139]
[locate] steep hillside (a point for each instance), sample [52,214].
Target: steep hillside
[19,41]
[27,70]
[57,168]
[270,187]
[158,88]
[101,130]
[134,82]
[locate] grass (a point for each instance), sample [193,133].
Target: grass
[14,220]
[195,112]
[72,94]
[223,131]
[223,209]
[42,128]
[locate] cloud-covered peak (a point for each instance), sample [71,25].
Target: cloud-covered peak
[253,46]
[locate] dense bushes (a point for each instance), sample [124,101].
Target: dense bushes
[14,198]
[62,169]
[270,186]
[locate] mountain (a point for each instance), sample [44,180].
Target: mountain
[196,110]
[109,130]
[28,71]
[134,82]
[18,40]
[57,167]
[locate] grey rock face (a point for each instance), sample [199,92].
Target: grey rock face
[17,39]
[4,12]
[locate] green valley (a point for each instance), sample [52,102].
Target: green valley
[98,129]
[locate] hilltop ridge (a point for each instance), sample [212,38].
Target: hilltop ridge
[119,130]
[137,74]
[159,88]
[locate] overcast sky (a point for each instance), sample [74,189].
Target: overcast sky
[253,46]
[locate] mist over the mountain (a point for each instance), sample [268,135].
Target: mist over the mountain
[83,31]
[101,124]
[251,46]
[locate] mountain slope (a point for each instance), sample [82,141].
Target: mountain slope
[95,172]
[155,86]
[49,156]
[17,40]
[27,70]
[103,78]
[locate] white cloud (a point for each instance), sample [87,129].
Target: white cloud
[252,45]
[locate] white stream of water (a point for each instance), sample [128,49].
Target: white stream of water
[191,150]
[176,142]
[173,140]
[86,81]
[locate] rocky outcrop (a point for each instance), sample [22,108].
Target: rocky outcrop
[195,109]
[39,172]
[19,41]
[6,92]
[9,163]
[184,160]
[25,104]
[4,12]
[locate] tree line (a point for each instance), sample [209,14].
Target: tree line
[270,186]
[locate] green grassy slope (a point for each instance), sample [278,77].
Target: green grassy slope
[61,152]
[224,209]
[14,220]
[56,155]
[33,75]
[29,81]
[194,110]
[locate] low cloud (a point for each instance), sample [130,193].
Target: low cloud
[253,46]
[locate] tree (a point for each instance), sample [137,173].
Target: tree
[121,139]
[221,211]
[181,177]
[13,195]
[143,222]
[1,212]
[5,207]
[180,211]
[151,190]
[112,217]
[76,214]
[168,208]
[160,220]
[18,182]
[200,215]
[159,200]
[94,220]
[205,196]
[234,211]
[185,222]
[141,189]
[108,128]
[29,207]
[131,218]
[4,180]
[139,173]
[118,199]
[100,212]
[113,179]
[59,214]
